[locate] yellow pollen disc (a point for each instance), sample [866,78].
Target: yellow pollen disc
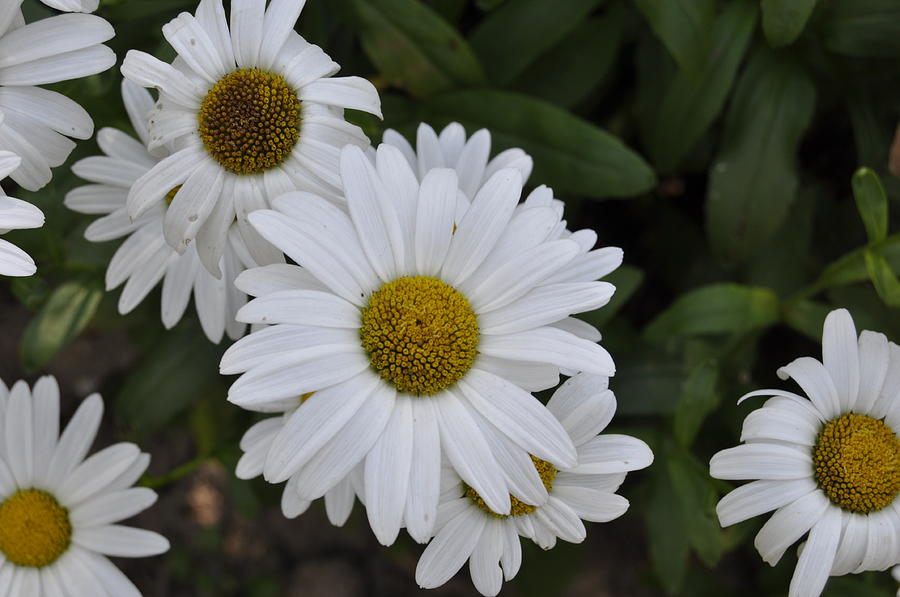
[34,529]
[857,463]
[420,334]
[249,121]
[518,508]
[170,196]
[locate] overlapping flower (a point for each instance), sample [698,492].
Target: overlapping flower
[827,463]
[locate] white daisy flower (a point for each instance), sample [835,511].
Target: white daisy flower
[414,327]
[256,443]
[58,510]
[255,113]
[15,214]
[467,529]
[829,465]
[145,259]
[470,158]
[38,121]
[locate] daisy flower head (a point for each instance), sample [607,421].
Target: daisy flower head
[467,529]
[255,446]
[58,509]
[254,112]
[15,214]
[144,258]
[416,327]
[39,122]
[827,463]
[469,157]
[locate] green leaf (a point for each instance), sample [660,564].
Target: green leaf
[414,47]
[667,532]
[512,37]
[691,103]
[699,397]
[588,53]
[865,28]
[716,309]
[753,182]
[178,369]
[697,497]
[872,204]
[783,21]
[883,278]
[570,154]
[807,317]
[62,317]
[684,27]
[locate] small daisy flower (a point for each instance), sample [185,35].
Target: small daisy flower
[39,122]
[58,510]
[467,529]
[254,112]
[256,443]
[412,327]
[470,158]
[15,214]
[145,259]
[828,463]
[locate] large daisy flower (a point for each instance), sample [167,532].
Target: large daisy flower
[467,529]
[38,121]
[58,510]
[828,463]
[469,157]
[15,214]
[255,444]
[145,259]
[411,326]
[255,113]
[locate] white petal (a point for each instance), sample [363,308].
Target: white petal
[301,307]
[592,505]
[545,305]
[815,380]
[112,507]
[520,416]
[387,473]
[874,357]
[77,438]
[761,461]
[355,93]
[122,542]
[788,524]
[760,497]
[425,472]
[247,18]
[435,220]
[818,555]
[840,354]
[450,549]
[553,346]
[484,563]
[148,71]
[612,453]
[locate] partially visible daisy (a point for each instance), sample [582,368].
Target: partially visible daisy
[38,121]
[470,158]
[828,463]
[895,572]
[254,111]
[145,259]
[58,510]
[467,529]
[15,214]
[411,326]
[256,444]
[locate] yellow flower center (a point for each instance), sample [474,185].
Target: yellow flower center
[857,463]
[249,121]
[420,334]
[34,529]
[518,508]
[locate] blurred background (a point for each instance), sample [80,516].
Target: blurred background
[714,141]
